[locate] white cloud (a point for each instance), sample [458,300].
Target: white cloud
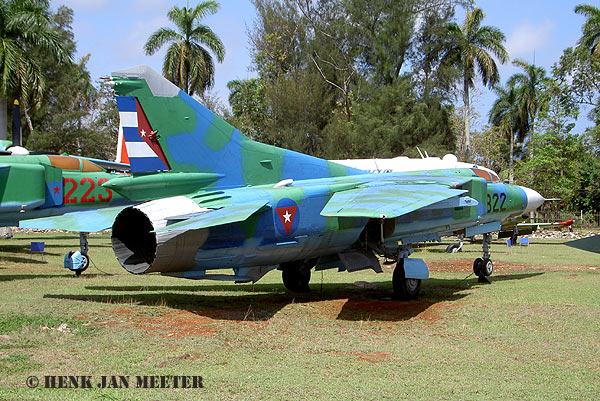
[529,37]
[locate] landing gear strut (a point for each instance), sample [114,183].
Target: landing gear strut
[296,274]
[483,267]
[78,261]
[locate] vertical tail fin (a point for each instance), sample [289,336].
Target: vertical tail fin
[193,139]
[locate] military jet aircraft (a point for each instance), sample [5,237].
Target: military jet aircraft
[222,200]
[33,186]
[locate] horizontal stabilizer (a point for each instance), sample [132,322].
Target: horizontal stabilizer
[386,201]
[215,217]
[86,221]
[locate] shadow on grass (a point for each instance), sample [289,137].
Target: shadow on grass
[268,299]
[34,260]
[26,248]
[15,277]
[459,252]
[550,243]
[50,237]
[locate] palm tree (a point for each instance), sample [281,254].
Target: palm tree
[591,28]
[506,114]
[531,84]
[187,63]
[24,26]
[470,46]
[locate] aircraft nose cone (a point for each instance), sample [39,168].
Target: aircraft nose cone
[534,199]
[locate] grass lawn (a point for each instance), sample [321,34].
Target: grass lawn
[534,333]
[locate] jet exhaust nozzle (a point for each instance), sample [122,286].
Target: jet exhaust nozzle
[141,250]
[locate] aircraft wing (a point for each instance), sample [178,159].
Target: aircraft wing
[214,217]
[85,221]
[388,201]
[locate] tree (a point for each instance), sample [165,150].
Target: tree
[490,149]
[506,115]
[187,63]
[247,100]
[559,156]
[591,28]
[393,121]
[470,46]
[342,78]
[73,115]
[25,28]
[531,86]
[578,75]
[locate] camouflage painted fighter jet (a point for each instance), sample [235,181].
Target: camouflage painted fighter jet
[225,201]
[34,186]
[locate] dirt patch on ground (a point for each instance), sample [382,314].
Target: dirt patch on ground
[384,310]
[177,324]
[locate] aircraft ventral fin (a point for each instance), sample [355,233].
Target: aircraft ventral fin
[215,217]
[88,221]
[386,201]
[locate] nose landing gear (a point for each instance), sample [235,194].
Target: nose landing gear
[483,267]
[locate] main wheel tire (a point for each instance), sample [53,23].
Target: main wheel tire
[404,288]
[478,267]
[451,248]
[487,267]
[295,276]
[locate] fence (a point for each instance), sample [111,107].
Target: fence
[582,219]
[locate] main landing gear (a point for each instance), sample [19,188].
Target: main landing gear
[483,267]
[296,274]
[404,288]
[456,246]
[78,261]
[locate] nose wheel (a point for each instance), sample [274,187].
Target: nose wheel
[483,267]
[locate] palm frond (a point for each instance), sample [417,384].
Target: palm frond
[204,35]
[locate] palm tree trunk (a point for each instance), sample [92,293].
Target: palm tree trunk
[3,118]
[467,115]
[511,170]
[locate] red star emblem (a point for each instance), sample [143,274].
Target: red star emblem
[286,215]
[56,190]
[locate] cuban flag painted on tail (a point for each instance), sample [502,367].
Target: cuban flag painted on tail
[143,149]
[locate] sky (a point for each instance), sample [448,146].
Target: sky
[114,33]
